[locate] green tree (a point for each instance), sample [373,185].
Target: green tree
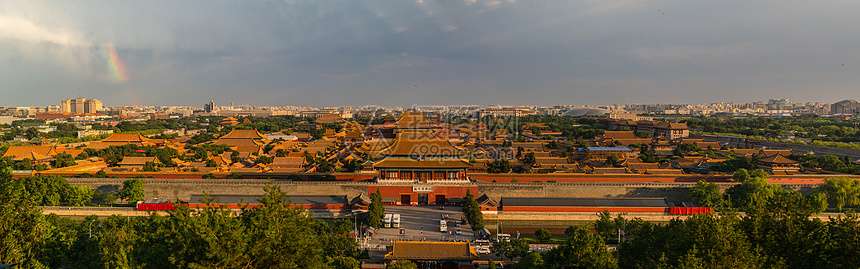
[25,164]
[533,260]
[340,262]
[612,160]
[79,195]
[843,236]
[582,248]
[830,163]
[706,194]
[402,264]
[605,226]
[816,202]
[715,241]
[543,234]
[491,263]
[264,159]
[215,237]
[499,166]
[23,230]
[535,130]
[733,165]
[63,160]
[234,156]
[472,211]
[352,166]
[150,167]
[552,144]
[570,230]
[842,191]
[689,147]
[752,193]
[741,175]
[82,156]
[32,133]
[784,218]
[376,210]
[342,226]
[47,190]
[324,165]
[529,158]
[132,190]
[110,198]
[510,248]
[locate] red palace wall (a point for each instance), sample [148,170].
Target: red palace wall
[353,176]
[235,206]
[584,209]
[448,191]
[524,178]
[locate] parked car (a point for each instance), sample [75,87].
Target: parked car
[458,232]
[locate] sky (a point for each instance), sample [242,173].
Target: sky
[428,52]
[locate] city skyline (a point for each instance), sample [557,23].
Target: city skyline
[427,52]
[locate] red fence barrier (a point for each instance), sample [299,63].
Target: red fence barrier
[159,206]
[690,210]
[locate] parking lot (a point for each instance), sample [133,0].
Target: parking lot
[421,223]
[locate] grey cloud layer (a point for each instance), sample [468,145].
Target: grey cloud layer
[429,52]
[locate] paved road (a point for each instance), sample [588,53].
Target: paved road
[422,223]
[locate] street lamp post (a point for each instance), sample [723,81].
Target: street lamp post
[90,226]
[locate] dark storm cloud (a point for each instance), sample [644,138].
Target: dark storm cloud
[323,53]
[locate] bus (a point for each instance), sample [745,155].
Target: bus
[443,226]
[482,243]
[395,221]
[386,220]
[482,246]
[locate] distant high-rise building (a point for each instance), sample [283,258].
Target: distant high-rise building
[849,106]
[209,107]
[777,104]
[80,105]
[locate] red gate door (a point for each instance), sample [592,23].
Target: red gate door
[440,199]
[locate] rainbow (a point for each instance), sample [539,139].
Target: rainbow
[116,66]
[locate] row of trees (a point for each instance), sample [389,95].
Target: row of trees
[272,236]
[53,190]
[842,191]
[775,232]
[779,234]
[752,193]
[501,165]
[754,188]
[827,162]
[376,210]
[472,211]
[582,248]
[571,127]
[809,126]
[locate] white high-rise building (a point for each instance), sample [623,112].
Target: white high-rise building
[80,105]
